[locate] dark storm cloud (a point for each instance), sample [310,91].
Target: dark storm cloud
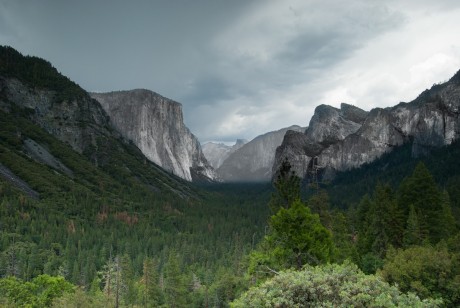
[240,68]
[315,42]
[328,39]
[5,29]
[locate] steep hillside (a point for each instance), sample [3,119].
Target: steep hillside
[50,123]
[348,187]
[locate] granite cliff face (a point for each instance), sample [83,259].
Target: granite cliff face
[253,161]
[76,121]
[342,139]
[155,125]
[217,153]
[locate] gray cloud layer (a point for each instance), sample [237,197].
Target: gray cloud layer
[241,68]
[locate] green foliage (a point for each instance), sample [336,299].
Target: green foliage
[387,224]
[413,234]
[287,188]
[448,226]
[152,295]
[421,191]
[428,271]
[39,292]
[296,238]
[319,204]
[175,287]
[343,238]
[330,285]
[419,213]
[226,288]
[369,262]
[301,234]
[80,299]
[380,225]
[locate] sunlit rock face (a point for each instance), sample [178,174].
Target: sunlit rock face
[217,153]
[155,125]
[253,161]
[345,138]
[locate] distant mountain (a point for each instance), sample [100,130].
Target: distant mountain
[217,153]
[155,125]
[253,161]
[346,138]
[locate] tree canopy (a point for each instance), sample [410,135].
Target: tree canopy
[331,285]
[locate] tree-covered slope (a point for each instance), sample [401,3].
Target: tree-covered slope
[54,112]
[349,186]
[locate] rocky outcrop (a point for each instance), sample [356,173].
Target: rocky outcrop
[342,139]
[330,125]
[40,154]
[17,182]
[77,122]
[155,125]
[253,162]
[217,153]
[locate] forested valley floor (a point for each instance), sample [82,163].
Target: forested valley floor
[76,248]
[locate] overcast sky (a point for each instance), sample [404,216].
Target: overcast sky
[241,68]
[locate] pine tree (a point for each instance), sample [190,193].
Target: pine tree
[152,296]
[113,280]
[319,204]
[421,191]
[447,226]
[287,186]
[175,288]
[412,233]
[387,224]
[128,291]
[299,238]
[364,218]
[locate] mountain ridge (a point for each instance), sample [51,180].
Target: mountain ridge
[217,153]
[331,143]
[253,161]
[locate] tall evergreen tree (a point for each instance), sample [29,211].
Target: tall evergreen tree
[175,288]
[412,234]
[287,188]
[152,296]
[364,217]
[387,223]
[296,238]
[319,204]
[128,291]
[447,227]
[421,191]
